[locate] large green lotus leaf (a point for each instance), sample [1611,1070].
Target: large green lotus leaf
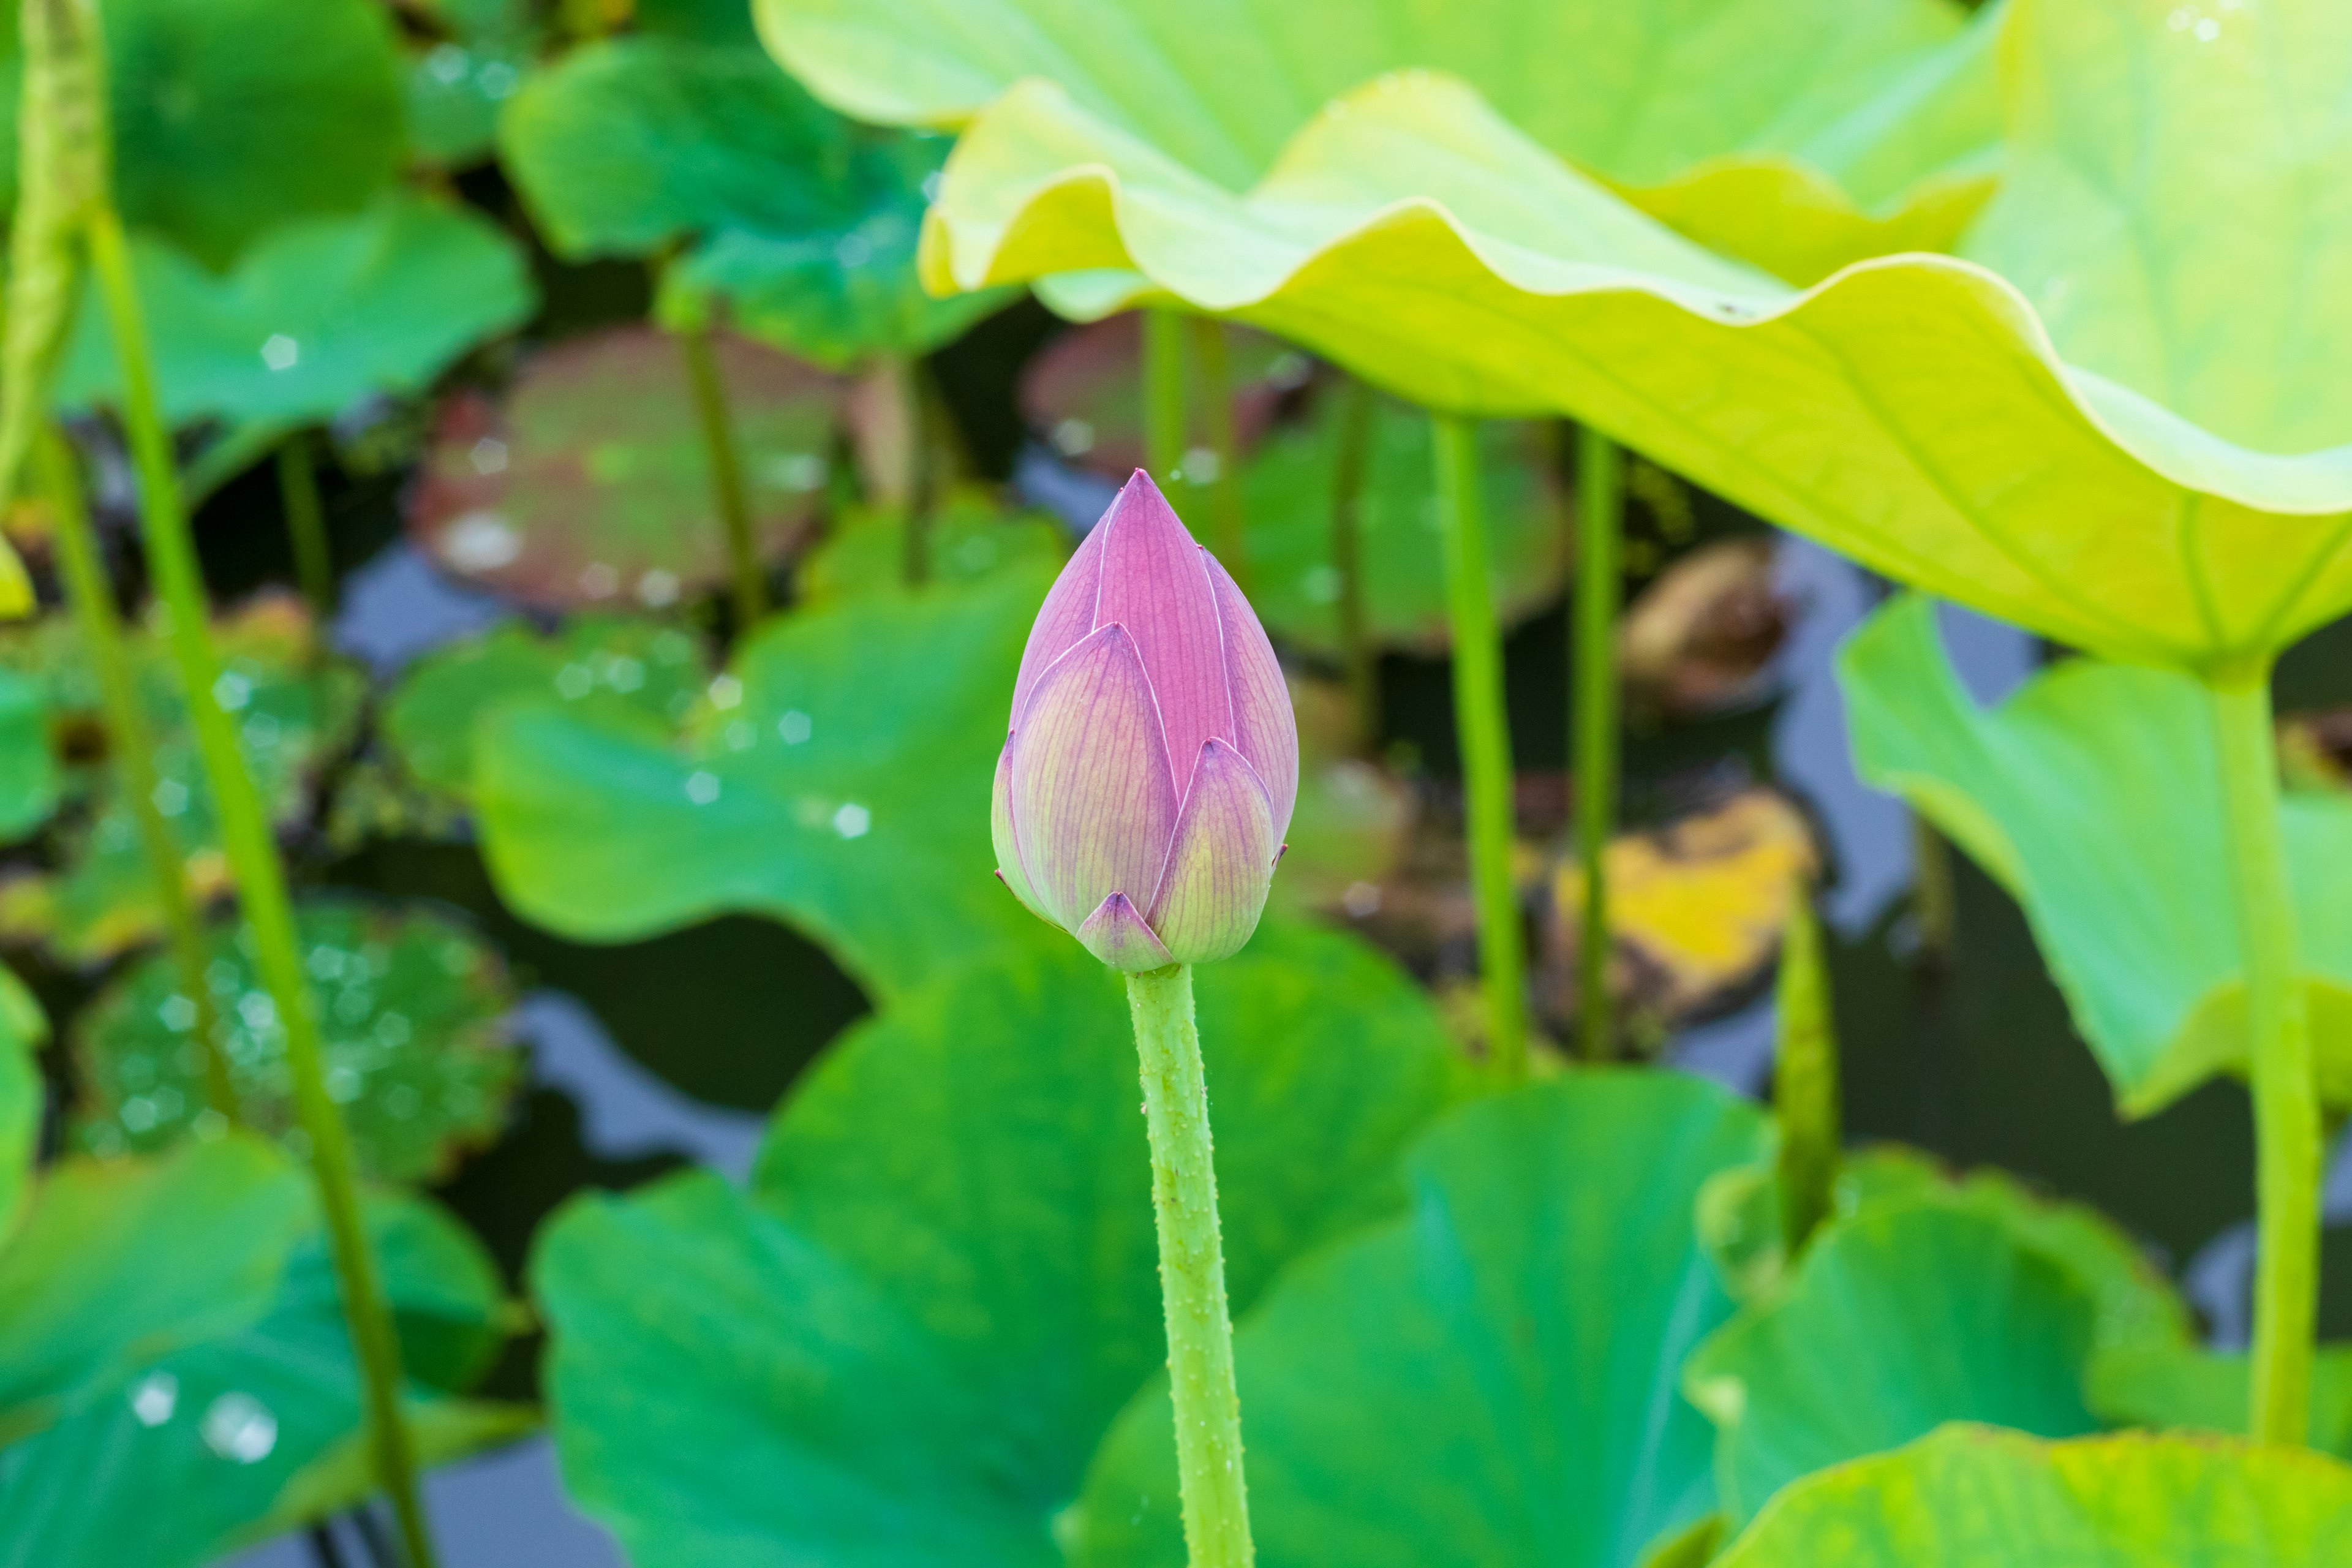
[294,710]
[1915,411]
[1895,1322]
[2095,795]
[24,1028]
[901,1347]
[252,1433]
[459,82]
[1793,128]
[1972,1498]
[802,225]
[236,115]
[608,662]
[1287,494]
[837,779]
[1490,1379]
[2182,1384]
[413,1009]
[590,484]
[117,1262]
[28,769]
[314,317]
[966,537]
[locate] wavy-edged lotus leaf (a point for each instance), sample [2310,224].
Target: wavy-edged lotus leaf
[251,1433]
[459,79]
[1806,132]
[2094,795]
[412,1013]
[2127,438]
[294,710]
[903,1344]
[1288,494]
[1489,1379]
[1739,1218]
[1083,392]
[28,768]
[590,484]
[2181,1385]
[1895,1321]
[313,317]
[234,116]
[802,225]
[24,1029]
[1970,1496]
[118,1262]
[837,779]
[966,536]
[592,662]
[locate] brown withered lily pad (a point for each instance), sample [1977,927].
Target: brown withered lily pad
[1695,908]
[589,484]
[1700,640]
[1082,395]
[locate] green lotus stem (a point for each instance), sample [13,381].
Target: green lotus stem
[1163,393]
[1935,893]
[260,880]
[1192,1271]
[2286,1095]
[892,451]
[1356,655]
[1805,1079]
[1600,529]
[306,525]
[132,750]
[1225,440]
[725,474]
[1483,728]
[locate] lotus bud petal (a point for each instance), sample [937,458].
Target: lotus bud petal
[1151,763]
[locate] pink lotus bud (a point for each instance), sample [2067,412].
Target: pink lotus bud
[1152,761]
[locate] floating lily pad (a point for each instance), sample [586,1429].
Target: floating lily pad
[598,662]
[1968,1496]
[2094,795]
[412,1008]
[293,710]
[968,537]
[1805,133]
[591,484]
[1287,492]
[800,226]
[837,779]
[1489,1379]
[955,1207]
[1083,392]
[313,317]
[117,1263]
[251,1433]
[1700,640]
[2154,469]
[234,116]
[1896,1321]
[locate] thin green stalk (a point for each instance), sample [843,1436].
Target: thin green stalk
[1483,728]
[1356,655]
[725,474]
[1225,440]
[1163,393]
[891,453]
[1935,894]
[1600,529]
[305,524]
[1192,1271]
[260,880]
[2286,1096]
[1805,1079]
[132,750]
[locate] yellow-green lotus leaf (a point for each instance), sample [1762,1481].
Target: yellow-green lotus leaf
[1799,134]
[2120,421]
